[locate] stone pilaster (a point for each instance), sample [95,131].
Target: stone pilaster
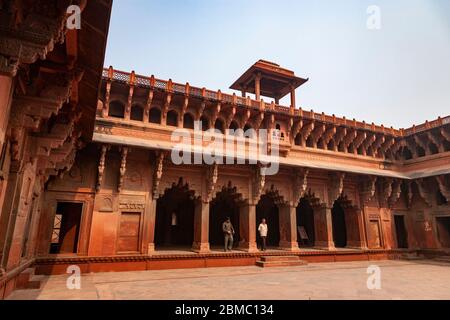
[323,226]
[201,227]
[247,227]
[288,228]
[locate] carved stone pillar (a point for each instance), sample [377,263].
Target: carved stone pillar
[150,225]
[323,227]
[288,227]
[247,227]
[201,227]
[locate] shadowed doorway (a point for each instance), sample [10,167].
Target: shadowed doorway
[224,205]
[305,220]
[268,210]
[339,227]
[66,227]
[174,225]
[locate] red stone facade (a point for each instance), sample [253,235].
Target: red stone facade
[88,179]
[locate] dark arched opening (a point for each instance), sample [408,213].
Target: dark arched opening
[174,225]
[339,227]
[155,115]
[172,118]
[219,125]
[224,205]
[268,210]
[137,113]
[204,122]
[188,121]
[116,109]
[305,223]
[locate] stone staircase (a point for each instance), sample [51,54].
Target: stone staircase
[280,261]
[27,280]
[442,259]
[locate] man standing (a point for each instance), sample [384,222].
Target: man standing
[228,232]
[263,233]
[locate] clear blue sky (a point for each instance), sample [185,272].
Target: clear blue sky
[398,75]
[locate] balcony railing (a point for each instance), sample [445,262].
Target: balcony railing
[151,82]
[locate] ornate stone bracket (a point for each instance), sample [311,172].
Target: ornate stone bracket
[368,189]
[259,180]
[335,186]
[423,191]
[409,193]
[101,166]
[157,174]
[123,168]
[396,192]
[300,185]
[444,188]
[212,173]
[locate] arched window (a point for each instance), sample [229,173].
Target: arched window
[116,109]
[137,113]
[219,125]
[172,118]
[188,121]
[155,115]
[249,132]
[278,127]
[234,125]
[205,123]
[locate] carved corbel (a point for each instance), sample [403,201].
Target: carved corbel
[305,132]
[327,136]
[409,193]
[389,142]
[340,135]
[445,133]
[348,139]
[245,117]
[361,136]
[258,120]
[443,187]
[300,185]
[423,191]
[436,141]
[123,167]
[385,191]
[259,181]
[367,144]
[215,114]
[296,129]
[101,166]
[368,189]
[377,144]
[166,106]
[212,173]
[335,186]
[421,143]
[157,174]
[396,192]
[148,105]
[317,133]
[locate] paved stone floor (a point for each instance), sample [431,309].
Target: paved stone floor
[418,279]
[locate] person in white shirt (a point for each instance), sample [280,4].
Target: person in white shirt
[263,233]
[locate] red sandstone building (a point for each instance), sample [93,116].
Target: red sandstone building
[87,177]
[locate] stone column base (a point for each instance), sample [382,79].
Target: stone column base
[201,247]
[289,245]
[356,245]
[248,247]
[326,245]
[150,248]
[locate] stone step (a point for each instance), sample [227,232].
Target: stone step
[269,264]
[279,258]
[25,280]
[443,259]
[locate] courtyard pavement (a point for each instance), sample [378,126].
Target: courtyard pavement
[418,279]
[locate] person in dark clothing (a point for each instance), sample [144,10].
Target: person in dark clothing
[228,232]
